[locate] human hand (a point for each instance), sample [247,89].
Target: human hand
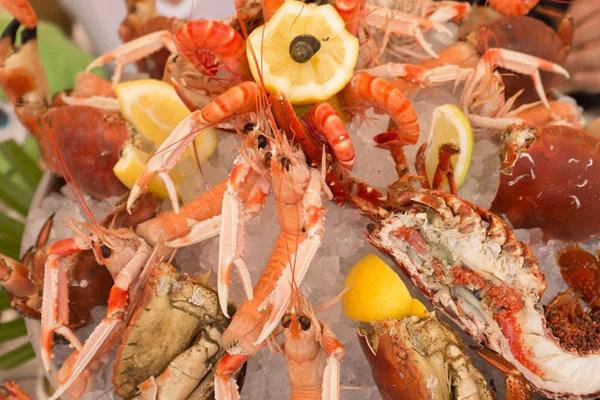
[583,62]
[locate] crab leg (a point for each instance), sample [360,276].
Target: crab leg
[118,303]
[240,99]
[187,370]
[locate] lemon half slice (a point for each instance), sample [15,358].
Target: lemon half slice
[130,166]
[450,125]
[377,292]
[152,107]
[304,51]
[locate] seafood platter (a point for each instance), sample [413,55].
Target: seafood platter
[406,199]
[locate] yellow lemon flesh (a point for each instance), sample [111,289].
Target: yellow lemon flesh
[450,125]
[130,166]
[417,308]
[377,292]
[154,109]
[307,79]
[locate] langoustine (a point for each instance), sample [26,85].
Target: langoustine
[470,265]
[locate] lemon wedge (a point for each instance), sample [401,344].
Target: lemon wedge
[152,107]
[377,292]
[304,51]
[130,166]
[450,125]
[417,308]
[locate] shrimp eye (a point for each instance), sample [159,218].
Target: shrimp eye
[304,322]
[286,163]
[268,157]
[262,141]
[105,250]
[286,320]
[249,127]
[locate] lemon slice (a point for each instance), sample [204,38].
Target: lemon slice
[130,166]
[450,125]
[152,107]
[377,292]
[303,78]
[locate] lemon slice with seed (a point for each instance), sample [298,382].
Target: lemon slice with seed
[130,166]
[304,51]
[377,292]
[450,125]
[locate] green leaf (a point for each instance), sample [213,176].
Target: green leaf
[12,329]
[11,227]
[9,249]
[4,302]
[21,163]
[16,357]
[14,198]
[32,148]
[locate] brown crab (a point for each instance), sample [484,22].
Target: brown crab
[549,181]
[416,358]
[171,343]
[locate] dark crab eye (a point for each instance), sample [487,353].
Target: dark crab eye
[249,127]
[105,250]
[286,163]
[268,157]
[286,320]
[262,141]
[304,322]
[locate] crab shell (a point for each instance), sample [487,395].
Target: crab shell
[551,181]
[89,140]
[174,313]
[416,358]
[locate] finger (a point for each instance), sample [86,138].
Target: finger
[587,32]
[586,58]
[587,81]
